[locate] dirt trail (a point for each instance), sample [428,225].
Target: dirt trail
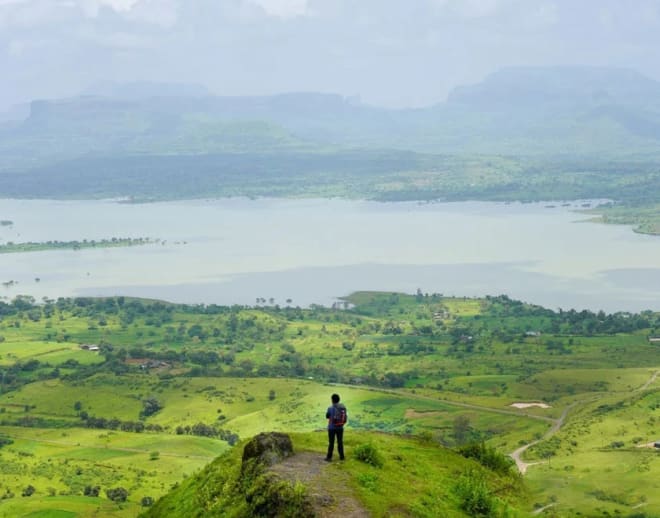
[541,509]
[649,382]
[517,454]
[326,483]
[450,402]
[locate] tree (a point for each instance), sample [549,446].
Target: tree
[117,494]
[150,406]
[461,428]
[91,490]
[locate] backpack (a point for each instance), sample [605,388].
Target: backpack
[339,416]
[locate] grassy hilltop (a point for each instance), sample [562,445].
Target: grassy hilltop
[384,476]
[101,396]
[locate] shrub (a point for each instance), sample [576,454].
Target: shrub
[269,496]
[369,454]
[488,457]
[117,494]
[474,495]
[91,490]
[150,406]
[369,481]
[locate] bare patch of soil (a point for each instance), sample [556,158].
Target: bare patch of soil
[647,445]
[411,413]
[529,405]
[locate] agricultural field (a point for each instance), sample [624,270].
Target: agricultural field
[98,395]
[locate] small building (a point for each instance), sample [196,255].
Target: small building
[655,339]
[90,347]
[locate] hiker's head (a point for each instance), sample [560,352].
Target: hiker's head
[335,398]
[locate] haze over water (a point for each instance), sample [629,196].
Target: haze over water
[233,251]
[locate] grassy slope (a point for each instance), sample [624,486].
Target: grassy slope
[601,459]
[429,473]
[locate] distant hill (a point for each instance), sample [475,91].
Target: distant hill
[567,110]
[580,87]
[517,111]
[507,135]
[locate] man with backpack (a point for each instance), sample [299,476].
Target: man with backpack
[336,416]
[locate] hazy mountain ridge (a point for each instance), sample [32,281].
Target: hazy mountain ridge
[519,111]
[521,134]
[580,86]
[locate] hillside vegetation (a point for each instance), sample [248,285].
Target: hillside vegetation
[103,395]
[522,134]
[382,476]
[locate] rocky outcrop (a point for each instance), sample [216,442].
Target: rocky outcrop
[266,493]
[267,449]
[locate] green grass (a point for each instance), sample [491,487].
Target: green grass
[65,507]
[417,365]
[426,470]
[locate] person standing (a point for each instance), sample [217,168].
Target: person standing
[337,417]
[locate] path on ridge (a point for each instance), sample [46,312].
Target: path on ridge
[326,483]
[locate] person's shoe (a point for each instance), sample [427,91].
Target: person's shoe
[342,458]
[327,459]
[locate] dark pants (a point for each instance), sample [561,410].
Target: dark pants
[332,433]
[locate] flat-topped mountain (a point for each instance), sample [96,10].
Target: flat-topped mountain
[520,111]
[518,87]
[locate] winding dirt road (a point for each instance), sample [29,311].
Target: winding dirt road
[557,424]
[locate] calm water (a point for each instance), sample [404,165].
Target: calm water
[312,251]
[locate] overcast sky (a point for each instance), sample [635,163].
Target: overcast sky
[390,52]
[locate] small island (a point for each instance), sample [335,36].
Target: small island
[6,222]
[31,246]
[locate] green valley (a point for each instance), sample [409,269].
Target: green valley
[119,393]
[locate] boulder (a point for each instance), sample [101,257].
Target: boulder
[267,449]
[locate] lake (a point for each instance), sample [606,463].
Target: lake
[233,251]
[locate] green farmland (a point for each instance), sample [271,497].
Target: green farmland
[117,393]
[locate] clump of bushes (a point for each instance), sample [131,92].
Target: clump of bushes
[369,481]
[5,441]
[474,496]
[268,495]
[487,456]
[117,494]
[91,490]
[369,454]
